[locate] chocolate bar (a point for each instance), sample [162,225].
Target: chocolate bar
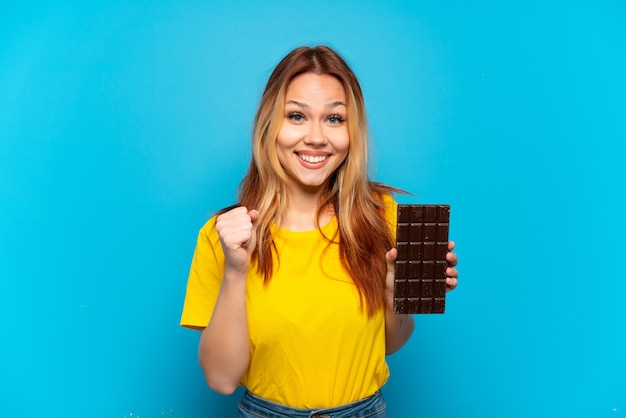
[422,243]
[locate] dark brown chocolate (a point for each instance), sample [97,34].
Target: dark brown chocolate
[422,243]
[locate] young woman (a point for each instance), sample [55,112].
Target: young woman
[292,288]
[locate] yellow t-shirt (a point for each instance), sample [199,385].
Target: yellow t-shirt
[311,344]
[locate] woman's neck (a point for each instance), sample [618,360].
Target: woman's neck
[301,213]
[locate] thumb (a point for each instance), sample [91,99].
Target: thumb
[391,255]
[254,217]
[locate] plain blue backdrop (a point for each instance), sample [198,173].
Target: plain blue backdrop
[123,125]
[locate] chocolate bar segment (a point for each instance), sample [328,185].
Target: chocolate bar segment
[422,243]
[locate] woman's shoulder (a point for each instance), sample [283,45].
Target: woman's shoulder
[385,194]
[391,208]
[207,236]
[388,199]
[209,224]
[388,205]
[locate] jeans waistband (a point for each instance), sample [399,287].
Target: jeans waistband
[252,406]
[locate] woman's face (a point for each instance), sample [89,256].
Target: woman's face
[313,139]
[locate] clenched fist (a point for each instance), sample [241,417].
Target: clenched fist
[237,232]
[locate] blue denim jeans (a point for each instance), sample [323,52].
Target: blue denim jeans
[252,406]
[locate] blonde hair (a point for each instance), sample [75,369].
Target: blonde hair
[364,235]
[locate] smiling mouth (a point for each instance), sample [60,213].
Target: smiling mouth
[312,159]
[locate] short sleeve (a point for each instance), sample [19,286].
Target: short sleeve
[205,277]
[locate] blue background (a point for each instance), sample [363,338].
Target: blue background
[123,125]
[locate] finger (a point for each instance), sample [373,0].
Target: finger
[451,283]
[452,259]
[451,245]
[452,273]
[390,257]
[234,227]
[230,215]
[235,211]
[254,215]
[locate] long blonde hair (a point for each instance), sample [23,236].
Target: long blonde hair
[364,235]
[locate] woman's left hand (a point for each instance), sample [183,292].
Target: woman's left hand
[452,274]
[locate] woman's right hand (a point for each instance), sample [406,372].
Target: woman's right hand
[237,232]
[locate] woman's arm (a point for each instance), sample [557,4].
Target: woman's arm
[398,330]
[224,351]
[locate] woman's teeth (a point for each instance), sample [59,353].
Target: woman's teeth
[312,158]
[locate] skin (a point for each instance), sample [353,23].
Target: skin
[311,144]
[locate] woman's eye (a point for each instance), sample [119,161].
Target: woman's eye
[335,119]
[296,117]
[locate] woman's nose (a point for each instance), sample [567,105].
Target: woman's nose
[315,136]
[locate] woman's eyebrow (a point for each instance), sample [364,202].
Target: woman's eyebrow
[304,105]
[335,104]
[294,102]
